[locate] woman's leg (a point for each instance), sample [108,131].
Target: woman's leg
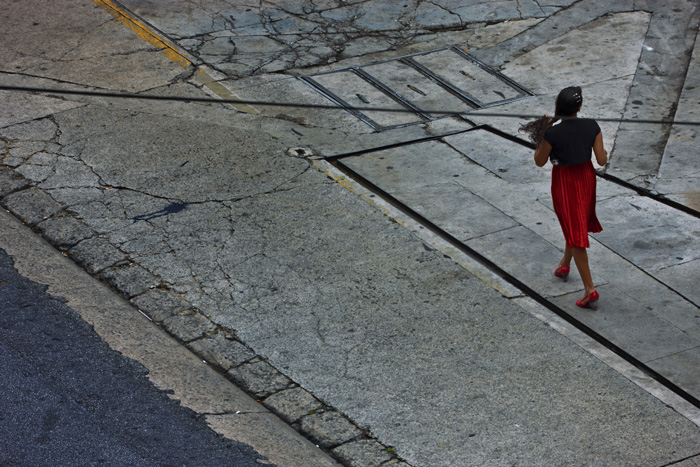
[581,259]
[566,260]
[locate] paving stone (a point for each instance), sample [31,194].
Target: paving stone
[96,254]
[683,278]
[437,203]
[160,304]
[222,350]
[650,234]
[39,130]
[130,279]
[189,325]
[612,320]
[65,231]
[529,258]
[32,205]
[292,404]
[11,181]
[362,453]
[259,378]
[397,463]
[328,429]
[675,367]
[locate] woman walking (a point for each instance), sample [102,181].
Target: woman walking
[568,146]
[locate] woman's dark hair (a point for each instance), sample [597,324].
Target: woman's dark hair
[568,103]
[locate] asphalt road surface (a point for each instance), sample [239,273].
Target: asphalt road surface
[66,398]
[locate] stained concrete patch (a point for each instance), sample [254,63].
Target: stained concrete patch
[649,234]
[683,278]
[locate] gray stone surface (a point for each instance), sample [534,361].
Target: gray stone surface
[10,181]
[160,304]
[649,234]
[365,452]
[328,429]
[64,231]
[675,367]
[32,205]
[222,350]
[188,325]
[683,279]
[96,254]
[129,279]
[292,404]
[240,40]
[81,43]
[616,311]
[259,378]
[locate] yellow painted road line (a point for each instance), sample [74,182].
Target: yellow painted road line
[205,79]
[169,50]
[144,32]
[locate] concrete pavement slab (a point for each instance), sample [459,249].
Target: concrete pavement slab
[652,235]
[509,161]
[76,54]
[682,278]
[677,177]
[171,366]
[19,108]
[675,367]
[437,203]
[652,294]
[602,99]
[612,324]
[569,59]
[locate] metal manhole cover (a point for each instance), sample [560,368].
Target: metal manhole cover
[421,84]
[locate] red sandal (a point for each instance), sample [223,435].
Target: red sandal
[562,272]
[589,301]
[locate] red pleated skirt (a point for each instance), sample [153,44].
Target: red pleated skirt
[573,193]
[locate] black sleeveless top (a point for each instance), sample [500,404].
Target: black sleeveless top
[572,140]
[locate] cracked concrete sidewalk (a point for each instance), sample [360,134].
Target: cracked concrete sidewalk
[346,324]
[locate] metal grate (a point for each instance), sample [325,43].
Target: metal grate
[422,84]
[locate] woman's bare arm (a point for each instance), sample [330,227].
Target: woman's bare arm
[542,153]
[601,155]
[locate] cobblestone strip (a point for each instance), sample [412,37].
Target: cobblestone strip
[329,429]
